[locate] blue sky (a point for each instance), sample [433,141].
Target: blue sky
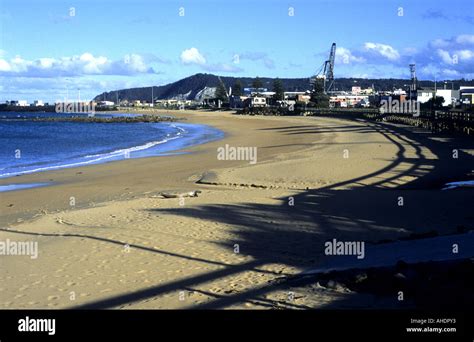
[52,48]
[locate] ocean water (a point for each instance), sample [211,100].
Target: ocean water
[29,146]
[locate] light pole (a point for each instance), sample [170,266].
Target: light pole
[151,97]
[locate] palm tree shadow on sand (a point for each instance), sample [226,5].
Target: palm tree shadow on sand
[295,235]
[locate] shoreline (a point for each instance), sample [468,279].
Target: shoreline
[189,246]
[195,134]
[64,177]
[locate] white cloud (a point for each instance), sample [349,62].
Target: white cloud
[4,65]
[442,58]
[455,56]
[383,50]
[465,55]
[459,41]
[441,73]
[45,63]
[345,56]
[192,56]
[445,56]
[78,65]
[135,62]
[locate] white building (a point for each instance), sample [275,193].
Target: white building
[22,103]
[399,92]
[255,101]
[38,103]
[367,91]
[106,103]
[424,95]
[450,96]
[467,95]
[344,101]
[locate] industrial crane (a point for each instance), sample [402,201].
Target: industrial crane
[326,72]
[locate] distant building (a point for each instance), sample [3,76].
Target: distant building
[399,92]
[356,90]
[165,103]
[466,95]
[293,95]
[173,103]
[424,95]
[22,103]
[266,94]
[285,103]
[344,101]
[367,91]
[450,96]
[303,98]
[255,102]
[106,103]
[38,103]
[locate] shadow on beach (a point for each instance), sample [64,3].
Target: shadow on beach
[295,235]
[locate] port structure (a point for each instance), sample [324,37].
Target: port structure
[326,72]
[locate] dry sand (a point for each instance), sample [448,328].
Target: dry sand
[316,179]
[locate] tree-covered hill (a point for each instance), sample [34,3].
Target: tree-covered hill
[189,87]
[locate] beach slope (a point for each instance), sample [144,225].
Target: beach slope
[253,225]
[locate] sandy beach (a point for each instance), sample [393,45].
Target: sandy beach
[121,245]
